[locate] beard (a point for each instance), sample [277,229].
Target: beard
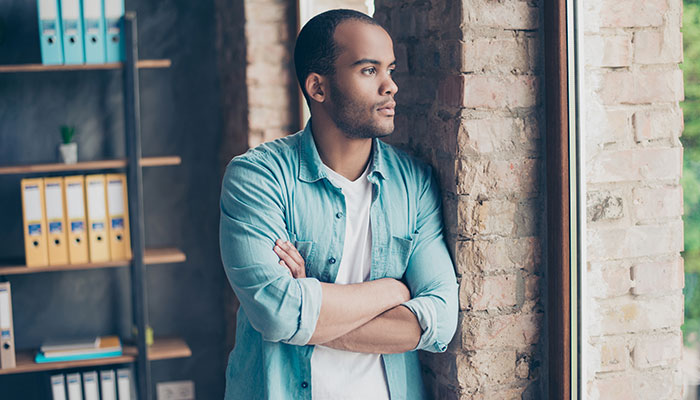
[354,118]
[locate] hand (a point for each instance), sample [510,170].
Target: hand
[290,258]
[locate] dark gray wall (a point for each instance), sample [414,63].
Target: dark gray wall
[181,115]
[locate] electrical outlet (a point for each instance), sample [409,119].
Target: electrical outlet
[175,390]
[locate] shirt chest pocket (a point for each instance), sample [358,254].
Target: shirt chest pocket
[400,249]
[306,249]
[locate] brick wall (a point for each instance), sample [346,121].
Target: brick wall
[470,103]
[633,199]
[273,105]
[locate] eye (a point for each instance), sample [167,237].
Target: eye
[369,71]
[391,71]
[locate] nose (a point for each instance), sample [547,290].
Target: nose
[389,87]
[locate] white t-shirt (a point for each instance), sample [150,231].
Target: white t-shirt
[338,374]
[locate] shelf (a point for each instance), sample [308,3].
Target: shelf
[88,165]
[141,64]
[152,256]
[162,349]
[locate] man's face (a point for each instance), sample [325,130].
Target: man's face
[361,97]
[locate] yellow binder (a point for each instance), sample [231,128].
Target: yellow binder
[75,216]
[56,221]
[34,222]
[118,216]
[98,229]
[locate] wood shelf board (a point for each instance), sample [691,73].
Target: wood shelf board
[162,349]
[88,165]
[152,256]
[168,348]
[141,64]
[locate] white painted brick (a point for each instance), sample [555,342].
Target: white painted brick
[657,350]
[629,314]
[635,241]
[640,87]
[633,385]
[607,280]
[632,13]
[606,125]
[612,353]
[647,164]
[651,203]
[608,50]
[658,46]
[660,123]
[662,277]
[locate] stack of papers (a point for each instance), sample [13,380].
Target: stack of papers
[82,349]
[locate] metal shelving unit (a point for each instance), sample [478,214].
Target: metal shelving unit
[140,353]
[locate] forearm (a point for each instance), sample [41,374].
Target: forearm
[345,308]
[394,331]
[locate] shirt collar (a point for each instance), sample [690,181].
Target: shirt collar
[311,166]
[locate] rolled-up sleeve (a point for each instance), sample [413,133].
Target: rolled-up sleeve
[430,274]
[281,308]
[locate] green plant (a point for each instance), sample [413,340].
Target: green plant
[67,133]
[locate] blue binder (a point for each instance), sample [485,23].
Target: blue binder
[50,32]
[94,31]
[114,21]
[72,22]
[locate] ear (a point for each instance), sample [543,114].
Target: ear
[315,87]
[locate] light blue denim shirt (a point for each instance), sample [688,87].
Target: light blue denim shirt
[280,190]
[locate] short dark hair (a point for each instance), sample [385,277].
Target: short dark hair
[315,49]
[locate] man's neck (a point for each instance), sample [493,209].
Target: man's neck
[348,157]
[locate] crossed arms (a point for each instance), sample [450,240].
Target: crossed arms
[349,321]
[380,316]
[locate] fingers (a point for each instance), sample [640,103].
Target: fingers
[293,252]
[290,258]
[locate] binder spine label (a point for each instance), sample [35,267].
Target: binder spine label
[77,227]
[117,223]
[34,229]
[98,225]
[49,27]
[55,227]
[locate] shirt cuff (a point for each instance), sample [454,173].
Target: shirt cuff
[425,312]
[311,297]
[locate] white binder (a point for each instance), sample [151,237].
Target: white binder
[58,387]
[7,334]
[90,386]
[124,383]
[107,385]
[75,391]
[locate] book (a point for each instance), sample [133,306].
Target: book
[102,347]
[71,344]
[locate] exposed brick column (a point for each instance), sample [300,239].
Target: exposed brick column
[470,103]
[270,29]
[634,199]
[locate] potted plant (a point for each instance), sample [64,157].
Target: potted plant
[68,149]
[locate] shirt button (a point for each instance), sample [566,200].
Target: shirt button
[339,215]
[331,260]
[304,385]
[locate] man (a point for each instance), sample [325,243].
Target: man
[332,240]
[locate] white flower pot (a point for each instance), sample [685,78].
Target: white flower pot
[69,152]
